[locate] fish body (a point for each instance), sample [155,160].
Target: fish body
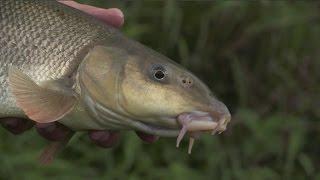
[59,64]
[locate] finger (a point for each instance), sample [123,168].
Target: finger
[53,131]
[112,16]
[16,125]
[147,137]
[105,139]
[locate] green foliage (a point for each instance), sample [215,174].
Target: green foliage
[259,57]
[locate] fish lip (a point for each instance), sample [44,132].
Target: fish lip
[197,122]
[195,118]
[204,121]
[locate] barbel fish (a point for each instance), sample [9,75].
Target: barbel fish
[59,64]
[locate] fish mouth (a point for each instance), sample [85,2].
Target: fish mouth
[198,122]
[194,124]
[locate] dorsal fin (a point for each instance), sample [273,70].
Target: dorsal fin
[41,104]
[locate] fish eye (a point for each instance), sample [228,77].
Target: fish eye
[159,72]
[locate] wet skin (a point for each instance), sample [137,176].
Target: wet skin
[58,132]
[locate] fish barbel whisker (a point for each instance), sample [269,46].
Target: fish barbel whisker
[184,120]
[191,142]
[181,135]
[193,137]
[194,123]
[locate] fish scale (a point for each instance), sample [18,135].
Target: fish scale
[43,39]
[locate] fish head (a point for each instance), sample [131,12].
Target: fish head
[157,90]
[157,95]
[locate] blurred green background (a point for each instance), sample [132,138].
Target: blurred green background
[260,57]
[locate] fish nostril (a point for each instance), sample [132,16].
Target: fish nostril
[186,81]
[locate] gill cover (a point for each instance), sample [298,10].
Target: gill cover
[100,74]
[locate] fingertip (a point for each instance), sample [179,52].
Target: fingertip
[117,15]
[116,12]
[148,138]
[53,131]
[104,139]
[111,16]
[16,125]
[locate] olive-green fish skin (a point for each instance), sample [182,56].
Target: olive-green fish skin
[46,40]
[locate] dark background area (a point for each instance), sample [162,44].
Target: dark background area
[260,58]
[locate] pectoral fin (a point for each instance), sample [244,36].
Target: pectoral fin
[41,104]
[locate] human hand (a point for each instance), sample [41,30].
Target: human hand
[112,16]
[58,132]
